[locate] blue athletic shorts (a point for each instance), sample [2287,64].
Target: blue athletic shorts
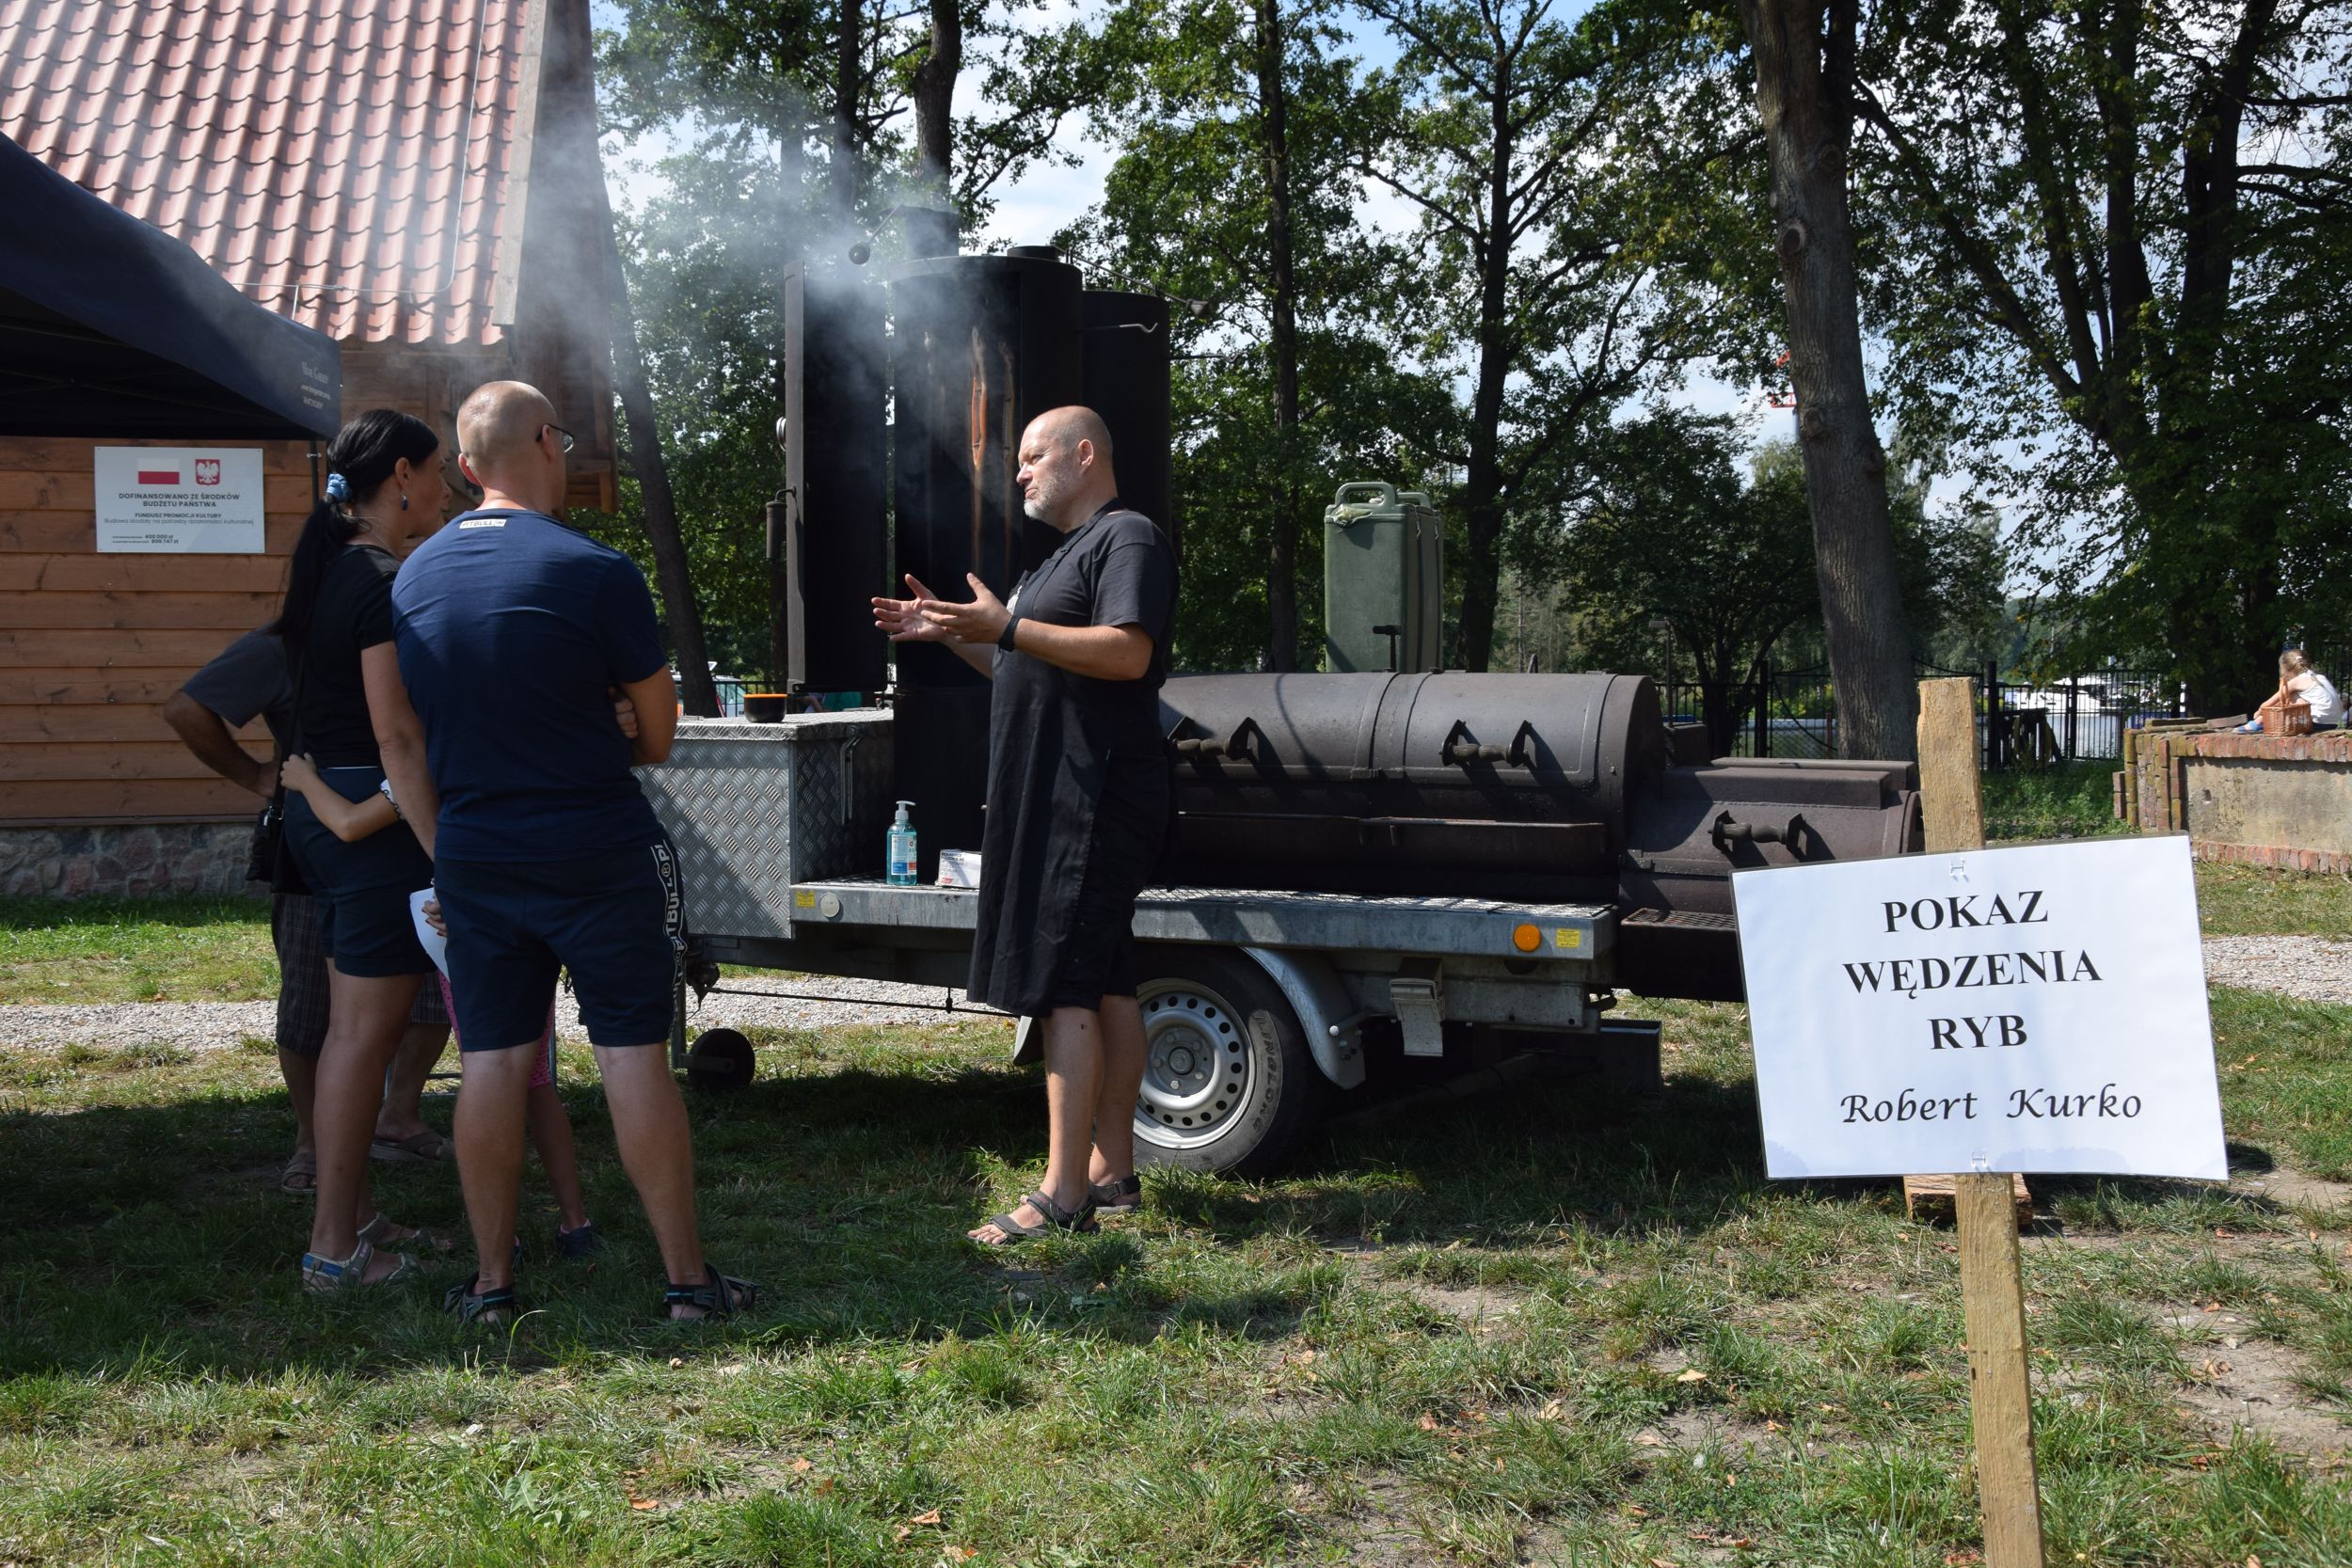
[365,884]
[617,921]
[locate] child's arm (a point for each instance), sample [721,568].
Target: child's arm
[348,820]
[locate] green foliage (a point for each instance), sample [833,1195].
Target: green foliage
[2107,248]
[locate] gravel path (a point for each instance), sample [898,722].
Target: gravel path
[204,1025]
[2309,967]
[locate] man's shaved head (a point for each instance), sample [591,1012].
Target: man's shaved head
[1070,425]
[498,420]
[1061,485]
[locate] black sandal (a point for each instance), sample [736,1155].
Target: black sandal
[1122,1196]
[1079,1221]
[720,1296]
[472,1305]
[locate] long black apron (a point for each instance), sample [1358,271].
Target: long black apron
[1056,741]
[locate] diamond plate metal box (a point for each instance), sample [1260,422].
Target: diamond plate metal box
[754,808]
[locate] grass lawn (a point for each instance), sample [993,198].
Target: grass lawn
[1540,1326]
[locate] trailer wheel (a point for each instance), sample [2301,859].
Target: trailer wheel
[721,1061]
[1228,1082]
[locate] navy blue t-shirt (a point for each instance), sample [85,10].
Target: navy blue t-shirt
[510,626]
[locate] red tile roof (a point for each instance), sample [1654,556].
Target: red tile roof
[345,161]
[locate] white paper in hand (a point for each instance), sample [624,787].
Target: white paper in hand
[436,944]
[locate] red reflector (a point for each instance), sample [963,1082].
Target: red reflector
[159,475]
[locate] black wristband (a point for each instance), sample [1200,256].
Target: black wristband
[1004,638]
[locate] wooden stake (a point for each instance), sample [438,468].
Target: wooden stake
[1991,1285]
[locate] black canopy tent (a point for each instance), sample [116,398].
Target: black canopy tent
[111,327]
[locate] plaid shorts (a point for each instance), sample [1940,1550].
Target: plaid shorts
[298,926]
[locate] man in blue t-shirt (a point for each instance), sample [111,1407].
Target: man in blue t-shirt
[513,632]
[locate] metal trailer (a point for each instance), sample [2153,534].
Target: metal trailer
[1257,1005]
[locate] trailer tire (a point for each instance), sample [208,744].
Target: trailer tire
[1228,1084]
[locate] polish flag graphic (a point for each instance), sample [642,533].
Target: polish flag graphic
[159,475]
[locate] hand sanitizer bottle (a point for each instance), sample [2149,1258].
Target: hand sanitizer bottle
[902,859]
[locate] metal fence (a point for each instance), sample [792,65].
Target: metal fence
[1793,713]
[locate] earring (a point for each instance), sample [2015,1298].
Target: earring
[404,500]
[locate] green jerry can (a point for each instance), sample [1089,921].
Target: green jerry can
[1383,579]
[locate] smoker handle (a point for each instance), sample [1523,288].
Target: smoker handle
[1728,831]
[1236,746]
[1460,750]
[848,745]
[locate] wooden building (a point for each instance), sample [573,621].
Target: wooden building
[416,179]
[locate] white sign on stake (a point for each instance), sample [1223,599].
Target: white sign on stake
[2035,1008]
[179,500]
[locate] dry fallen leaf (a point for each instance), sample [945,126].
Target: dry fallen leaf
[1691,1375]
[1648,1439]
[928,1517]
[677,1361]
[1498,1464]
[824,1486]
[959,1554]
[1550,1412]
[801,1466]
[643,1504]
[1428,1422]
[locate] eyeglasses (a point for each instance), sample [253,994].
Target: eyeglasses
[564,437]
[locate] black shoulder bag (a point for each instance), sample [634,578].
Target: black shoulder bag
[270,860]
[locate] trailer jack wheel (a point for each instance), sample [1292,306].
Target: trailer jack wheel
[722,1060]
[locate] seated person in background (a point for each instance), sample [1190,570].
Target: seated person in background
[2299,683]
[543,1109]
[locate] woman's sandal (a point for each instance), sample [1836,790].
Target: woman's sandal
[494,1308]
[383,1231]
[321,1276]
[720,1296]
[1079,1221]
[301,1175]
[1122,1196]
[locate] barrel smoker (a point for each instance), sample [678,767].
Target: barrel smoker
[1365,867]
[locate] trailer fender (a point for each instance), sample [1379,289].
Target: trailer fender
[1325,1012]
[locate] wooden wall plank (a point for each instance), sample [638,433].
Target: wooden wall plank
[66,454]
[19,687]
[141,611]
[109,721]
[109,650]
[65,761]
[173,799]
[76,532]
[37,491]
[89,572]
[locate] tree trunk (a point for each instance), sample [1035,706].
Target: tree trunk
[1807,115]
[932,231]
[848,55]
[695,689]
[1483,479]
[1281,587]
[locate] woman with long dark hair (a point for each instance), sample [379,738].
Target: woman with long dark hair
[384,493]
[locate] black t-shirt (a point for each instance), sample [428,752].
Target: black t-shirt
[355,611]
[1115,569]
[248,677]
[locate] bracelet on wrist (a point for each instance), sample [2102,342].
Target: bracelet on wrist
[1004,638]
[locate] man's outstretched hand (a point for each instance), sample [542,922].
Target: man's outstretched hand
[928,618]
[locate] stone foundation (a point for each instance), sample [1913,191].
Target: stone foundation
[132,858]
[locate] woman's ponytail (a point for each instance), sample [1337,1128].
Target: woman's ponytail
[359,459]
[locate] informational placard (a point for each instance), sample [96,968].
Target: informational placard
[179,500]
[2035,1008]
